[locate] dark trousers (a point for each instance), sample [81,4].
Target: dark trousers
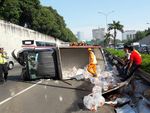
[134,67]
[123,70]
[1,72]
[5,70]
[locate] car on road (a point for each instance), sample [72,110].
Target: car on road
[144,49]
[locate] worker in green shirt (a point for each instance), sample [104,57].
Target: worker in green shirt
[3,65]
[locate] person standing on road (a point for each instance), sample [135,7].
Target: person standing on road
[92,63]
[3,64]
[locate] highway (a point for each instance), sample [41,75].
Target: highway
[44,96]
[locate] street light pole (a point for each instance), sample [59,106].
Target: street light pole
[106,17]
[148,24]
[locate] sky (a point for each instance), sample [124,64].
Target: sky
[83,16]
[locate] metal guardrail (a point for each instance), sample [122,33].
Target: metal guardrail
[143,74]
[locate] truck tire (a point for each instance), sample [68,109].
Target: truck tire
[10,65]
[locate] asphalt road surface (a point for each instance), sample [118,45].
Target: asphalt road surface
[44,96]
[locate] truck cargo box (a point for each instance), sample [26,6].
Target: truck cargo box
[78,57]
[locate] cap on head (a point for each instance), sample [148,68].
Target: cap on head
[89,49]
[131,48]
[126,46]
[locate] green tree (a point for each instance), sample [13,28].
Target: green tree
[31,14]
[28,9]
[115,26]
[10,10]
[68,36]
[66,33]
[107,38]
[148,32]
[44,22]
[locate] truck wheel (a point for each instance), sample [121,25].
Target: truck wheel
[10,65]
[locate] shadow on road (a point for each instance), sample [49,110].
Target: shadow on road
[16,78]
[77,105]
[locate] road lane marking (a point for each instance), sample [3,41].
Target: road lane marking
[6,100]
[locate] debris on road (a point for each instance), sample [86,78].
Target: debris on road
[125,109]
[93,101]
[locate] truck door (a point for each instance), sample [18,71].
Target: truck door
[40,64]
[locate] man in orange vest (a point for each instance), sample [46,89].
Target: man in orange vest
[92,63]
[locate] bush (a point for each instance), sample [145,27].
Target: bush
[146,62]
[118,53]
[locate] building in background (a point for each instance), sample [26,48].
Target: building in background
[80,35]
[98,33]
[128,34]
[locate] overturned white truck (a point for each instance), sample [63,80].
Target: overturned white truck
[59,63]
[55,62]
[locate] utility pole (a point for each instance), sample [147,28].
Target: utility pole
[106,17]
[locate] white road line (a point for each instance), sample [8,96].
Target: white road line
[6,100]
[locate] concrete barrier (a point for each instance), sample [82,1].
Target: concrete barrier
[12,35]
